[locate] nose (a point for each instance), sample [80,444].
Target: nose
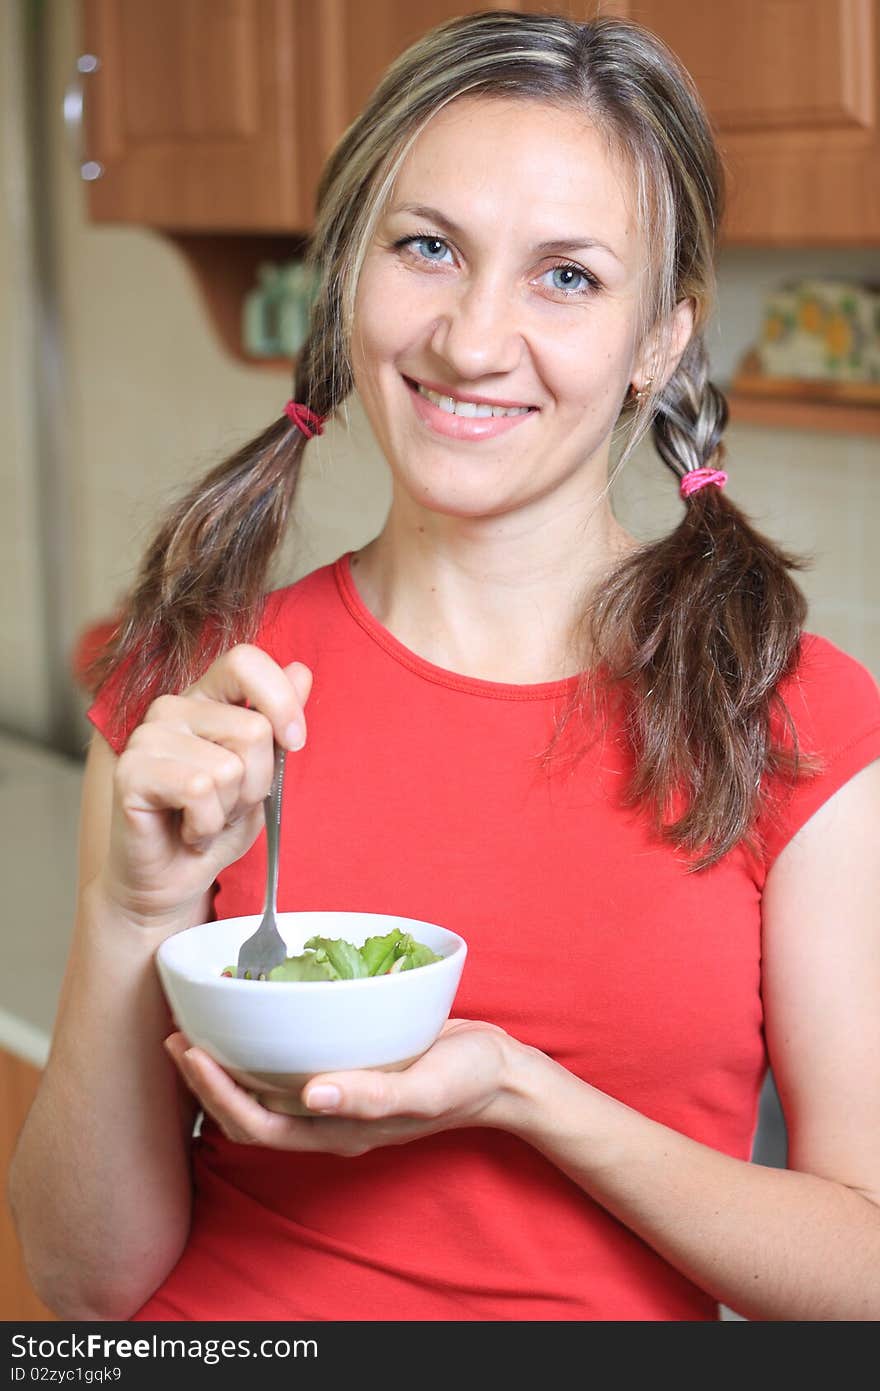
[479,334]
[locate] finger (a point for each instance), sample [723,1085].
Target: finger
[369,1095]
[302,678]
[436,1084]
[237,1111]
[224,767]
[248,674]
[247,734]
[146,785]
[244,1120]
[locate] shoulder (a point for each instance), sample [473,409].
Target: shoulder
[831,696]
[829,703]
[298,612]
[291,623]
[824,670]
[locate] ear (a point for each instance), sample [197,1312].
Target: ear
[664,347]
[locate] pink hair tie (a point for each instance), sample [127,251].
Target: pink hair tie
[699,477]
[303,417]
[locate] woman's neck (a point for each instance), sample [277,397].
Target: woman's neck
[496,612]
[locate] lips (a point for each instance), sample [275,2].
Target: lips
[442,390]
[463,427]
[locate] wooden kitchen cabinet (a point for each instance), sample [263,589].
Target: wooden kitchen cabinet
[192,114]
[18,1085]
[217,115]
[793,88]
[357,41]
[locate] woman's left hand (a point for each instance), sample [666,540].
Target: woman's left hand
[461,1080]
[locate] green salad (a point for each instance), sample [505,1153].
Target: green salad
[325,958]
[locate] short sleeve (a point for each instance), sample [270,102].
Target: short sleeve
[105,712]
[834,704]
[116,723]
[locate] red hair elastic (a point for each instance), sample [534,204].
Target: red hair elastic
[303,417]
[699,477]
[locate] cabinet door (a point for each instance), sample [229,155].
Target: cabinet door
[792,87]
[194,113]
[354,43]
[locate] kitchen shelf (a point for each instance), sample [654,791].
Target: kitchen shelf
[835,407]
[794,413]
[224,266]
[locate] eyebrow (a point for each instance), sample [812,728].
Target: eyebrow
[553,244]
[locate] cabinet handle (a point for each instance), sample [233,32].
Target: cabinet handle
[72,111]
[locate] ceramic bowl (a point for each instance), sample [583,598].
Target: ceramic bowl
[273,1036]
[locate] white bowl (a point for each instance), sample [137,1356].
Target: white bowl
[272,1036]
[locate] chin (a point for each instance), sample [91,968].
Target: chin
[465,509]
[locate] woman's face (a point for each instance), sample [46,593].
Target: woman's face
[485,301]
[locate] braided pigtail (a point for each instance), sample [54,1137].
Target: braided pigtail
[699,628]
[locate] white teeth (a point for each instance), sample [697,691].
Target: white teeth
[469,408]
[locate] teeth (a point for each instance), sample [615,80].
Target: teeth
[469,408]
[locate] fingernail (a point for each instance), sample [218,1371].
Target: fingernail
[324,1098]
[295,736]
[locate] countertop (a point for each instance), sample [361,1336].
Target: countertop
[39,815]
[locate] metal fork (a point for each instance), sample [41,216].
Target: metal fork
[266,948]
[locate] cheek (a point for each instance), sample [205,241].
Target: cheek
[584,375]
[383,317]
[368,324]
[604,359]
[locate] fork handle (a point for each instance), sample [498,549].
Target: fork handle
[272,809]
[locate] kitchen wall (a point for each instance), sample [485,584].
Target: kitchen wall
[149,400]
[24,701]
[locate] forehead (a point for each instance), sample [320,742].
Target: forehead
[541,170]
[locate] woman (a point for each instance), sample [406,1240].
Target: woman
[622,771]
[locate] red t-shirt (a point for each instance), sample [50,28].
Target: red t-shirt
[419,793]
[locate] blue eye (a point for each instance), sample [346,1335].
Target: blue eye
[572,270]
[427,239]
[424,240]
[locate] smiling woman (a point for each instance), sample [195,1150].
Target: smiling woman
[622,773]
[504,321]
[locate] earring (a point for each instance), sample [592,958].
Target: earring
[642,391]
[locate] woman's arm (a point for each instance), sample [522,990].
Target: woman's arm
[100,1181]
[796,1244]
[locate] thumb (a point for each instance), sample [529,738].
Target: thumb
[361,1095]
[300,678]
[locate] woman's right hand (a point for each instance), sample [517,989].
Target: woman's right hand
[189,786]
